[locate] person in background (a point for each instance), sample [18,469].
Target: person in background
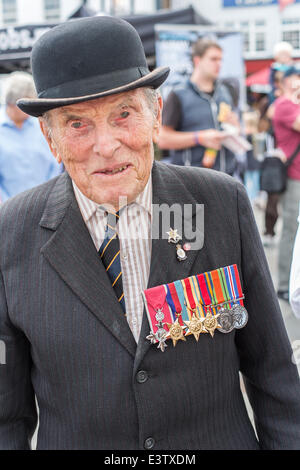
[251,175]
[283,52]
[194,111]
[25,158]
[294,290]
[286,126]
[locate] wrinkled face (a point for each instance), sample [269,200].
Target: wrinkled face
[106,144]
[210,63]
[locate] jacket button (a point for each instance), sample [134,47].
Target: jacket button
[141,376]
[149,443]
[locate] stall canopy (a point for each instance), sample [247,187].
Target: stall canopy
[259,81]
[16,41]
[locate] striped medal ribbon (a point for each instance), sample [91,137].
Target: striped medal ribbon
[226,319]
[233,281]
[176,328]
[207,291]
[197,314]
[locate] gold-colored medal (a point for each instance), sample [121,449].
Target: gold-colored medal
[176,332]
[210,323]
[195,326]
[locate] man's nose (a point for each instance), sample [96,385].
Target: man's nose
[105,141]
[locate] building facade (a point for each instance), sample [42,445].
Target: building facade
[20,12]
[262,22]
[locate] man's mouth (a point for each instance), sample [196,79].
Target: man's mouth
[113,171]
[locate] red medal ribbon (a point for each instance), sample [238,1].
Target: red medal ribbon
[156,299]
[189,293]
[203,289]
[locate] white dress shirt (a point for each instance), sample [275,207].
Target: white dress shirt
[134,231]
[295,275]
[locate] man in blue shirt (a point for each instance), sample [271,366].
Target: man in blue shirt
[25,158]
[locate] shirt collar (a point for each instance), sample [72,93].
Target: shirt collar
[88,207]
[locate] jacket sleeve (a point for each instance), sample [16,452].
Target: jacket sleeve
[271,378]
[18,415]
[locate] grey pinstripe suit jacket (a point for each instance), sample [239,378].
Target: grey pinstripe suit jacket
[68,343]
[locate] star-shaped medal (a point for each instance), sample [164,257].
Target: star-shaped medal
[174,237]
[195,326]
[210,323]
[176,332]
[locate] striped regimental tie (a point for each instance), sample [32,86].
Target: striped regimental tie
[109,253]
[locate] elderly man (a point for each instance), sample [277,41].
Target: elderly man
[71,312]
[25,159]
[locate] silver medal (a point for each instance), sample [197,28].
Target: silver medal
[240,316]
[226,320]
[161,334]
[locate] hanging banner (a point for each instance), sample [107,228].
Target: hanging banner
[257,3]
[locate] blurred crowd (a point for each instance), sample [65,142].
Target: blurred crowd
[203,126]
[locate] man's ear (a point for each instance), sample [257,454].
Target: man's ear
[157,122]
[45,130]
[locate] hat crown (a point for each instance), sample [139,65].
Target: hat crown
[84,49]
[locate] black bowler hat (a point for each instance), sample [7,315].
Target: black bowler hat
[85,59]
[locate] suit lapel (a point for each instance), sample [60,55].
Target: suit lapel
[165,267]
[71,252]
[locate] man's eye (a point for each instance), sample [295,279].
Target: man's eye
[76,125]
[124,114]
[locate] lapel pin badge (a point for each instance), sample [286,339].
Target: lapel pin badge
[174,237]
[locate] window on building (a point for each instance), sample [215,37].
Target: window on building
[260,23]
[246,41]
[52,10]
[9,11]
[292,37]
[260,41]
[229,24]
[244,24]
[290,21]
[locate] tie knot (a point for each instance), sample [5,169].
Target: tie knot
[112,220]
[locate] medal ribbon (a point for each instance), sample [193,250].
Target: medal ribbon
[190,300]
[171,303]
[234,269]
[204,289]
[233,283]
[229,284]
[156,299]
[181,299]
[211,289]
[197,296]
[175,306]
[224,284]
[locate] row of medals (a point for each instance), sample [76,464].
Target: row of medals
[224,321]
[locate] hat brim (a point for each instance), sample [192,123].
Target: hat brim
[37,107]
